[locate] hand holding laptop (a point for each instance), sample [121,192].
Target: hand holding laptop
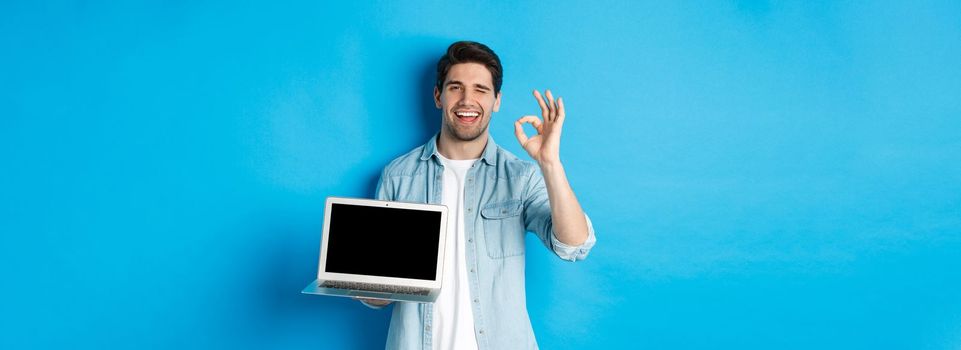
[374,302]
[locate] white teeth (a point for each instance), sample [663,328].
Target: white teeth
[467,114]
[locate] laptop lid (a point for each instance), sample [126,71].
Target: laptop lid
[373,241]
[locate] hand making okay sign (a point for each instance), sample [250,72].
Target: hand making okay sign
[545,146]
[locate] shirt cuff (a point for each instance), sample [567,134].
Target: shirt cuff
[575,253]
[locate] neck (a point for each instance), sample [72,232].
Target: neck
[452,148]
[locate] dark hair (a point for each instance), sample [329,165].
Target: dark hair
[470,52]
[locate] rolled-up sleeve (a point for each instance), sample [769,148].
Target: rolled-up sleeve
[537,219]
[578,252]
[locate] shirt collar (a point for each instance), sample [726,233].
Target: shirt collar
[489,156]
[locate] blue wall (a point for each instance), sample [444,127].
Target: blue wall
[761,175]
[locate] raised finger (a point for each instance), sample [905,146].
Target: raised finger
[545,112]
[560,110]
[551,105]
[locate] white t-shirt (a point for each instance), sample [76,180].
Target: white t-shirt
[453,319]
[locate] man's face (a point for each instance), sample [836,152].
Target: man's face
[467,100]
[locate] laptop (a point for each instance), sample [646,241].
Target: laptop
[380,249]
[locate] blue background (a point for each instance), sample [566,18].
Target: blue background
[761,175]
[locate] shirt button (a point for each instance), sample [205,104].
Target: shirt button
[468,209]
[475,300]
[481,331]
[427,328]
[470,240]
[471,270]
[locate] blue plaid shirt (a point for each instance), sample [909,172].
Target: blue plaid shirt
[504,198]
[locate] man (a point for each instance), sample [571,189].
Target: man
[494,199]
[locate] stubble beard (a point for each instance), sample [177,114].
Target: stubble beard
[466,134]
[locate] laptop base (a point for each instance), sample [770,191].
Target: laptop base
[315,288]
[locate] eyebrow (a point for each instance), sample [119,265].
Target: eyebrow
[480,86]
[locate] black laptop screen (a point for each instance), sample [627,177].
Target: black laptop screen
[382,241]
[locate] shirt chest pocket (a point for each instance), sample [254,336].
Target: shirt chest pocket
[504,228]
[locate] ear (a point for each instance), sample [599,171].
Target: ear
[437,97]
[497,102]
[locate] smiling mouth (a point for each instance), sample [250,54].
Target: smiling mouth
[467,117]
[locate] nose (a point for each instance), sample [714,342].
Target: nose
[465,98]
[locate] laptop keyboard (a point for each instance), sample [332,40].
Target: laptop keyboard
[382,288]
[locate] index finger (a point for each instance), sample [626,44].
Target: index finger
[533,119]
